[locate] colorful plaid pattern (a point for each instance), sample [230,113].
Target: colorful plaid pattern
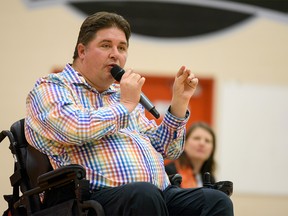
[72,123]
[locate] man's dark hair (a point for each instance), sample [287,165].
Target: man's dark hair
[98,21]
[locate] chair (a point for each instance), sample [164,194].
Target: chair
[34,177]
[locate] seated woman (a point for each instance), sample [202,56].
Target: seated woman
[197,158]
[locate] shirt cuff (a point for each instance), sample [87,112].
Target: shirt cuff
[176,122]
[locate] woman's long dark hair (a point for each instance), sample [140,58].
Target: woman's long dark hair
[209,165]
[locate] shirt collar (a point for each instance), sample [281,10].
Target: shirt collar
[75,77]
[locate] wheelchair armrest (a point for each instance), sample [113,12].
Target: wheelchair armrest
[92,204]
[56,178]
[61,175]
[224,186]
[175,179]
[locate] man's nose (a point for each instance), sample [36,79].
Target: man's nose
[114,53]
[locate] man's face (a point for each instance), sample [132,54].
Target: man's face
[109,47]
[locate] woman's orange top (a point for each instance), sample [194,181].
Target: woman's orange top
[188,178]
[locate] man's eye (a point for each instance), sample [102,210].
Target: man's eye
[122,48]
[105,45]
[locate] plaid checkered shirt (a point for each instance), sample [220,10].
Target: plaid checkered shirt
[73,123]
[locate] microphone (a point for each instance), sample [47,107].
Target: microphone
[117,72]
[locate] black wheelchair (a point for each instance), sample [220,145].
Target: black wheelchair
[34,178]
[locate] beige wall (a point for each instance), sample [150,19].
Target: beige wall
[34,40]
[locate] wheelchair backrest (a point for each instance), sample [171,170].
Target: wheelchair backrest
[31,161]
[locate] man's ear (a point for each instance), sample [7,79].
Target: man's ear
[81,50]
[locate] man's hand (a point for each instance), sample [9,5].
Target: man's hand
[130,89]
[183,89]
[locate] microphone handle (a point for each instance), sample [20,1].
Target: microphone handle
[117,72]
[149,106]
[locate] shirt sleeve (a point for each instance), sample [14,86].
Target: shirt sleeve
[168,138]
[57,114]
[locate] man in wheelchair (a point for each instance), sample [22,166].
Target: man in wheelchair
[82,116]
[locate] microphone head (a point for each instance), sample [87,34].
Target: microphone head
[117,72]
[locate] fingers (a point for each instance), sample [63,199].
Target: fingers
[185,75]
[130,74]
[193,82]
[130,87]
[181,71]
[133,79]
